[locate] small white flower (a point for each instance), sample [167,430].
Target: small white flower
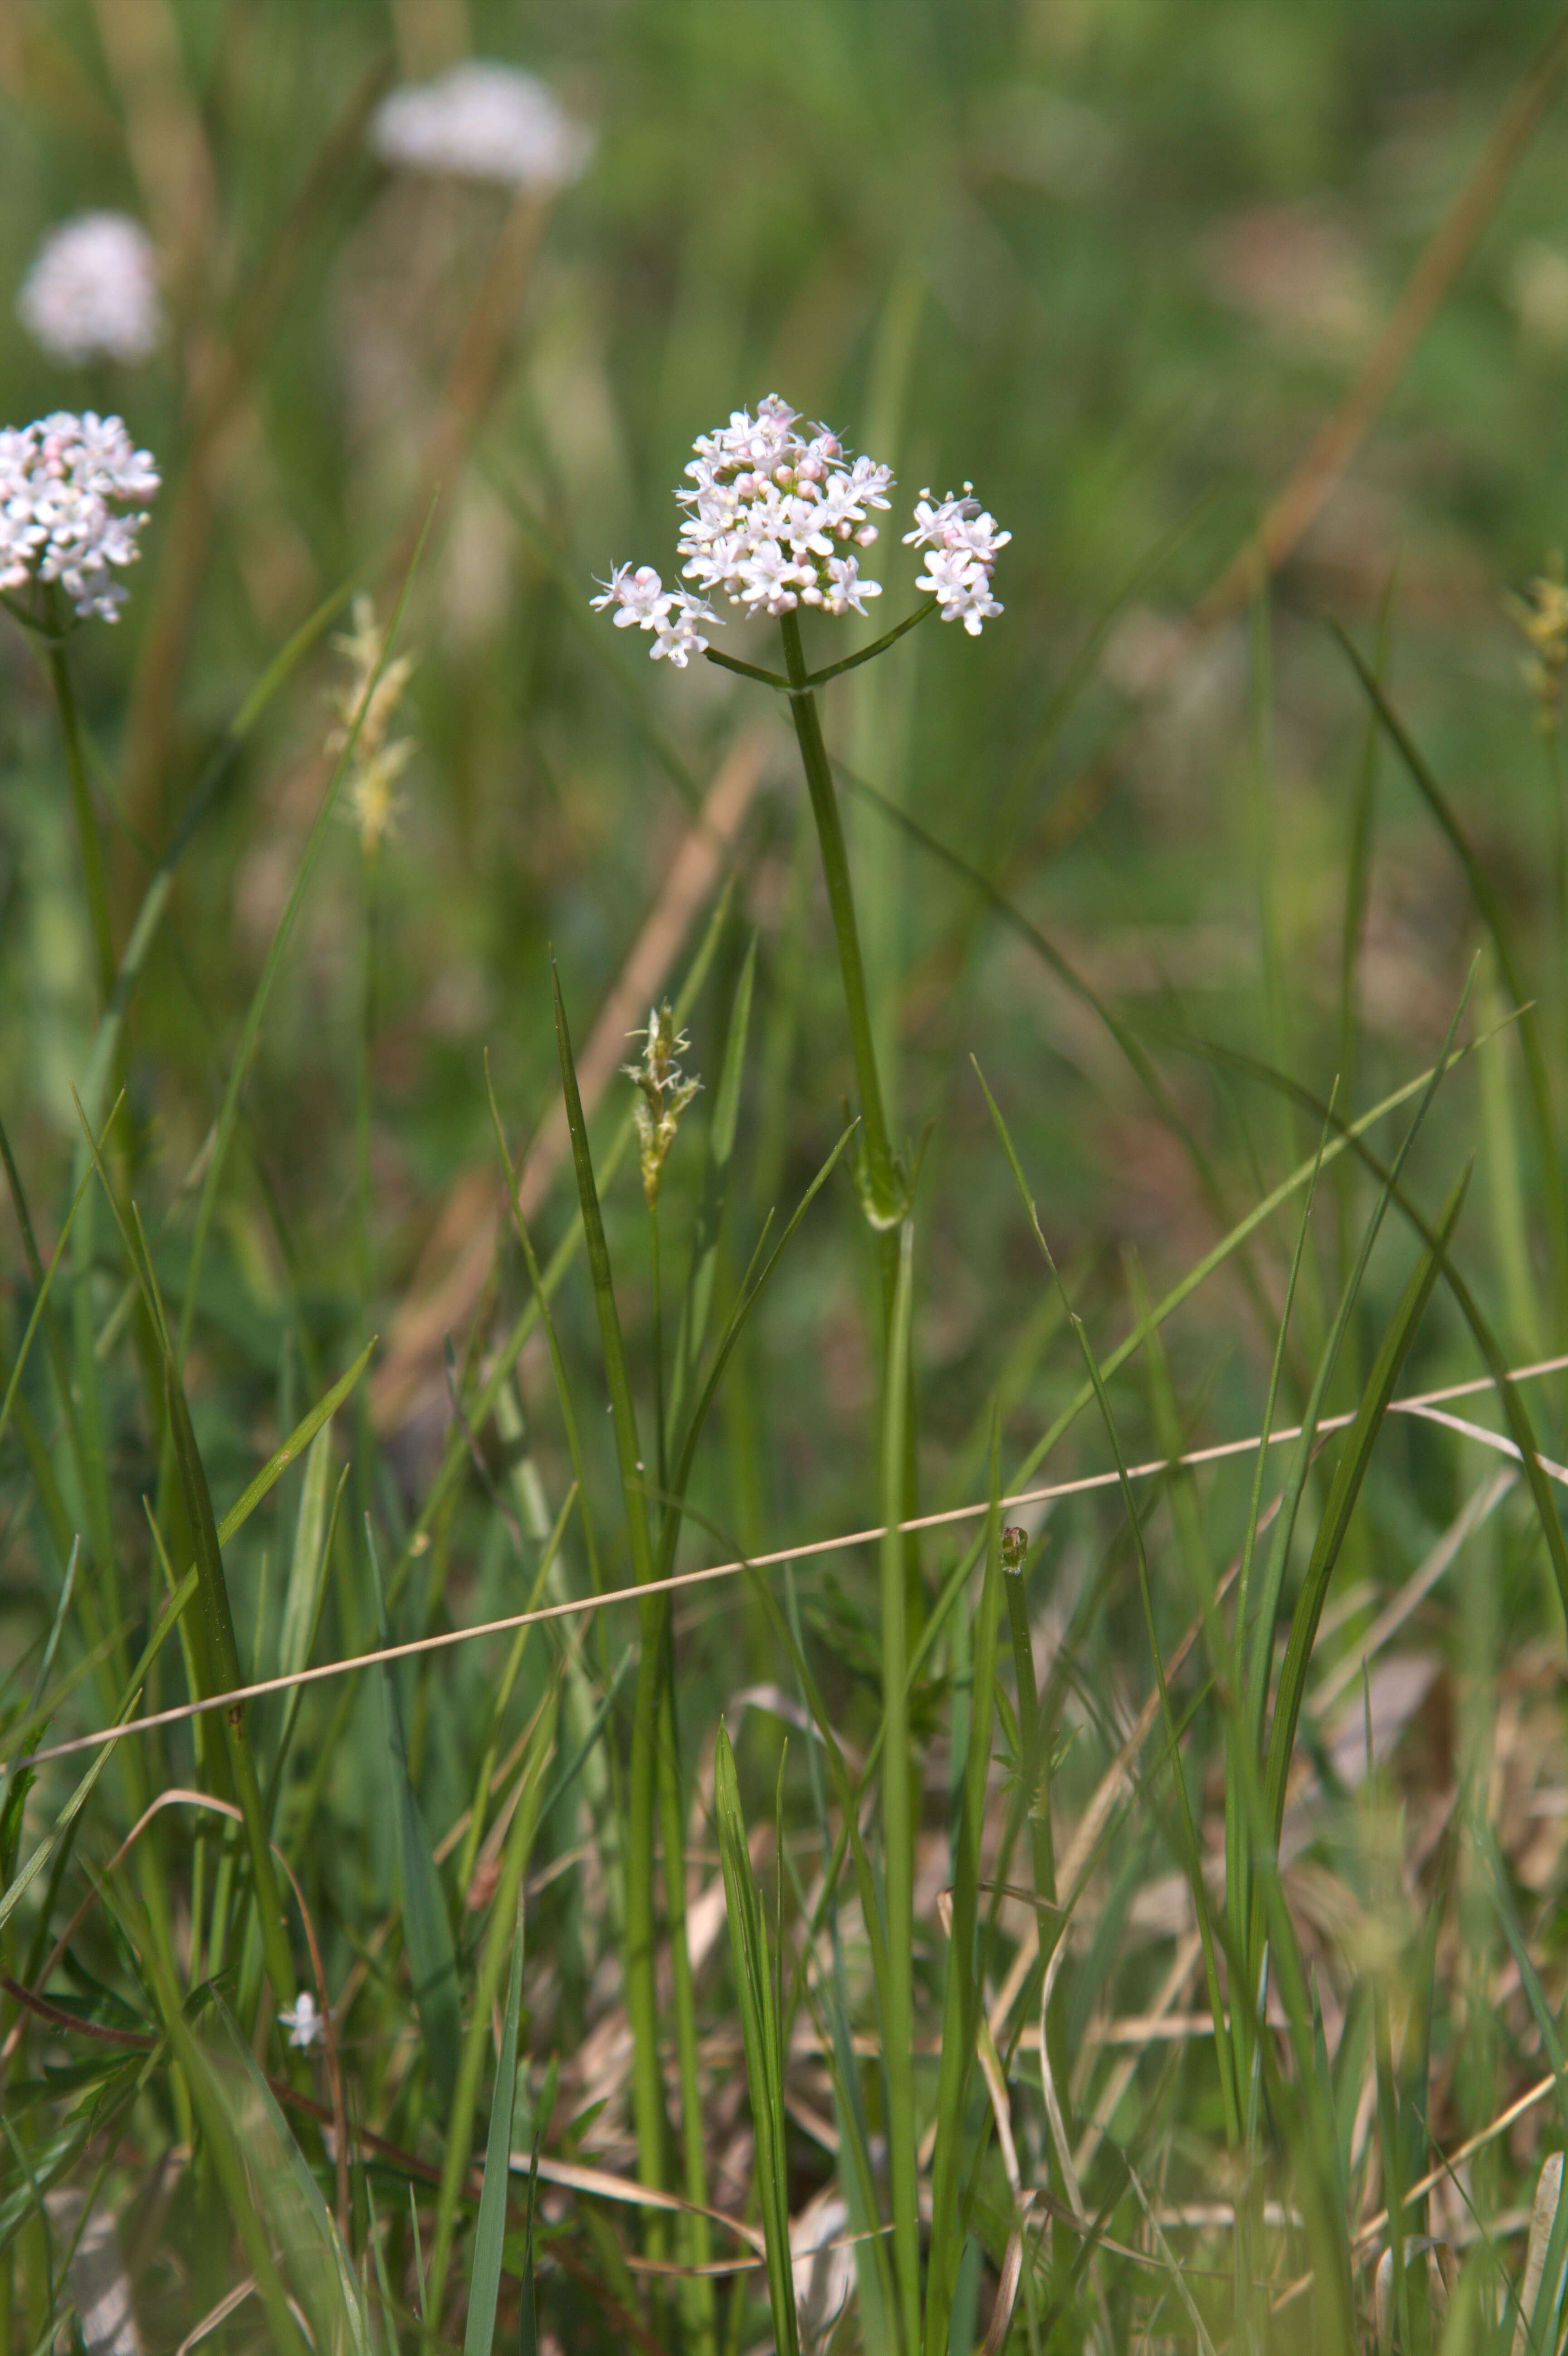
[641,597]
[92,291]
[481,121]
[304,2024]
[65,481]
[678,634]
[847,588]
[964,586]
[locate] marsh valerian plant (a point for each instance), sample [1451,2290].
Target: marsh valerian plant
[777,518]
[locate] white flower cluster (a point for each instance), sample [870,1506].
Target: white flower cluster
[642,602]
[92,291]
[65,482]
[483,122]
[963,540]
[774,517]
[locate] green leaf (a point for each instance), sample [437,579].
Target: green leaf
[490,2232]
[427,1926]
[301,2221]
[760,2037]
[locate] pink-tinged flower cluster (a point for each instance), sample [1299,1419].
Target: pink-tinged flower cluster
[642,601]
[66,487]
[776,516]
[964,541]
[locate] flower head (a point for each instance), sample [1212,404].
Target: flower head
[664,1091]
[776,514]
[92,291]
[964,541]
[304,2024]
[378,761]
[773,514]
[66,485]
[481,121]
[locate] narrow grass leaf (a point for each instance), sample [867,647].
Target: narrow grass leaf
[490,2232]
[1348,1474]
[760,2036]
[427,1925]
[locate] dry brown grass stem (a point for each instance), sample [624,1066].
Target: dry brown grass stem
[576,1606]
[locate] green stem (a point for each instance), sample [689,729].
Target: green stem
[897,1819]
[661,1452]
[92,868]
[369,876]
[884,1192]
[697,2291]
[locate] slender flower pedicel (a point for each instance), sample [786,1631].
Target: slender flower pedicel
[778,517]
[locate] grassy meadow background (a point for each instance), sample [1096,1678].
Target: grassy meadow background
[1133,850]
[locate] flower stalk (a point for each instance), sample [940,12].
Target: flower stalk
[94,875]
[884,1191]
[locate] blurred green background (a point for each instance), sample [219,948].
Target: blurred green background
[1114,260]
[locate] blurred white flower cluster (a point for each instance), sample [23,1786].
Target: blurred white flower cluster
[92,291]
[963,540]
[774,519]
[66,485]
[483,122]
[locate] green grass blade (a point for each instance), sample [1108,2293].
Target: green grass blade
[622,1407]
[490,2231]
[697,1305]
[1192,1855]
[642,1994]
[427,1925]
[301,1592]
[203,795]
[301,2221]
[1494,916]
[487,1981]
[760,2036]
[255,1016]
[897,1820]
[1346,1137]
[1349,1476]
[961,2005]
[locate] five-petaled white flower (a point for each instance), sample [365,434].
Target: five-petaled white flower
[92,291]
[304,2024]
[774,518]
[65,486]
